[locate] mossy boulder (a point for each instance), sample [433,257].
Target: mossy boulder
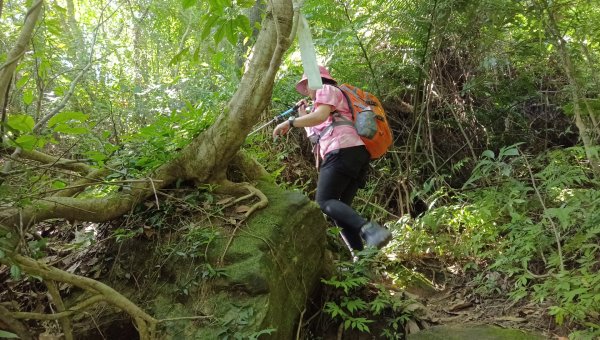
[479,332]
[273,265]
[257,280]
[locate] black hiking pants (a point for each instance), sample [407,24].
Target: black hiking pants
[342,173]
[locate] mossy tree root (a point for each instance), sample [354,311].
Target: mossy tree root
[146,324]
[14,325]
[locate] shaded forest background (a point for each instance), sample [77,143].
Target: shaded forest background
[494,105]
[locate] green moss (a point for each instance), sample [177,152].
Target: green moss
[272,265]
[478,332]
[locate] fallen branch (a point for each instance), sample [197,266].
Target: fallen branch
[79,308]
[76,165]
[48,167]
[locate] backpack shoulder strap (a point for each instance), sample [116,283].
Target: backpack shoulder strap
[341,119]
[345,88]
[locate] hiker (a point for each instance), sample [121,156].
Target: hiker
[345,161]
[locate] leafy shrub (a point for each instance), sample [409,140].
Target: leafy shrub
[534,221]
[357,305]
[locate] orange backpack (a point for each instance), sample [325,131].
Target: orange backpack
[368,117]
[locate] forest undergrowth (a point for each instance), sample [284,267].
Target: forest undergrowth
[515,245]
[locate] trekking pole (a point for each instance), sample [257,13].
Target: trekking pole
[279,118]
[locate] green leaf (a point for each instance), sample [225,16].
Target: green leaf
[8,335]
[23,123]
[230,32]
[55,26]
[2,254]
[209,23]
[245,3]
[257,335]
[489,154]
[22,81]
[216,59]
[196,55]
[218,6]
[510,152]
[96,156]
[188,3]
[177,58]
[28,97]
[243,24]
[67,116]
[28,142]
[69,130]
[15,272]
[58,184]
[220,32]
[60,91]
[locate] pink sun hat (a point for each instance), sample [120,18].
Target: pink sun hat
[301,86]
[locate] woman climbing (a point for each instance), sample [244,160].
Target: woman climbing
[345,161]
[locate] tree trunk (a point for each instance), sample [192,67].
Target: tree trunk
[586,129]
[8,68]
[205,159]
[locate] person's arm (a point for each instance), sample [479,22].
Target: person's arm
[318,116]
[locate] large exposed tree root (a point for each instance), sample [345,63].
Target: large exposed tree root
[237,189]
[99,292]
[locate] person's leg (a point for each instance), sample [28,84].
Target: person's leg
[340,177]
[357,160]
[330,187]
[351,236]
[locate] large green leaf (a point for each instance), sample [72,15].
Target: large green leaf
[28,97]
[243,24]
[230,32]
[209,20]
[67,116]
[22,81]
[29,142]
[23,123]
[220,33]
[71,130]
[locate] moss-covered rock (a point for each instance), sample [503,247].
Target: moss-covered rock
[479,332]
[272,266]
[268,271]
[205,279]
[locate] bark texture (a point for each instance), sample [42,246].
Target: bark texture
[12,60]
